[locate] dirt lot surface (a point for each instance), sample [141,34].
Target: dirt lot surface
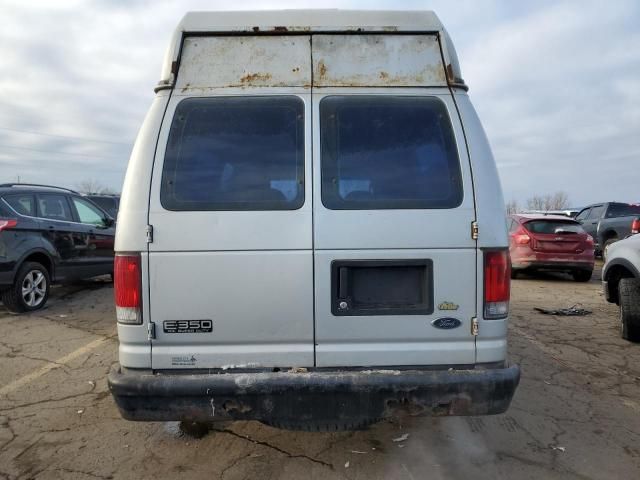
[576,413]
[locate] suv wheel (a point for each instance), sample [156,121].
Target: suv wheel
[582,275]
[629,296]
[30,289]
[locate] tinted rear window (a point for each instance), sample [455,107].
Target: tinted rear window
[553,227]
[622,210]
[235,153]
[106,203]
[23,204]
[382,152]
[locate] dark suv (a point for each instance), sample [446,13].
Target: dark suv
[49,234]
[109,203]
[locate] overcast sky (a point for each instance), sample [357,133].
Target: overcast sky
[556,84]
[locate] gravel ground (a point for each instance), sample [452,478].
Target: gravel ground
[576,413]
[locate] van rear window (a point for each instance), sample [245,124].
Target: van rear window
[235,153]
[386,152]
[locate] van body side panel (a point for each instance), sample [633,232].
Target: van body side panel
[134,343]
[491,342]
[134,202]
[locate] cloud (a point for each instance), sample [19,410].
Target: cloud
[555,83]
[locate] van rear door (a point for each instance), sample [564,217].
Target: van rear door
[231,261]
[395,261]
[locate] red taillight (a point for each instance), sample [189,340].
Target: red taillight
[520,237]
[589,240]
[635,226]
[7,224]
[127,285]
[497,283]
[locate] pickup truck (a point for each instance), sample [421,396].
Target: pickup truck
[609,222]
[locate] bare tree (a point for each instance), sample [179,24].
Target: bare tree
[559,201]
[537,202]
[91,185]
[512,207]
[556,201]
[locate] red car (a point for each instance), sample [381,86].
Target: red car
[552,243]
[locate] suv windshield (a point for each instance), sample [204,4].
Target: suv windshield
[381,152]
[553,227]
[235,153]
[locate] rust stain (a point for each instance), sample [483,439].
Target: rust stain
[384,76]
[322,68]
[255,77]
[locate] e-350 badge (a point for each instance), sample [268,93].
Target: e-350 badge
[187,326]
[448,306]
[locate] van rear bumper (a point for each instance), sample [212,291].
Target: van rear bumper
[287,398]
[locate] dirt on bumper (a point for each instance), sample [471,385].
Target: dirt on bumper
[318,396]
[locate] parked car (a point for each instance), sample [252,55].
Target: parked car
[248,287]
[108,203]
[621,284]
[49,234]
[552,243]
[609,222]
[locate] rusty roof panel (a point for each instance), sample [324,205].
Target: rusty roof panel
[371,60]
[254,61]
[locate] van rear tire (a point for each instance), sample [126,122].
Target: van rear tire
[629,298]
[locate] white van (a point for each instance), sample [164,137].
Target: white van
[311,232]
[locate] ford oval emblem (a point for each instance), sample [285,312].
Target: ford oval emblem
[446,323]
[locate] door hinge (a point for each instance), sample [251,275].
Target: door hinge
[149,233]
[474,230]
[151,331]
[474,326]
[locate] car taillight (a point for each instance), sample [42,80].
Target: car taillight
[520,237]
[7,224]
[635,226]
[127,285]
[497,283]
[590,241]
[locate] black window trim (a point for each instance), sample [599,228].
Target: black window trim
[368,208]
[301,177]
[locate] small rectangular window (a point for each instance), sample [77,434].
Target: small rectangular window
[596,212]
[23,204]
[54,207]
[387,152]
[235,153]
